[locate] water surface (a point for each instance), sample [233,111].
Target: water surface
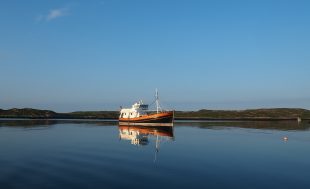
[97,154]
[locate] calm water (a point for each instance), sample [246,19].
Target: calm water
[96,154]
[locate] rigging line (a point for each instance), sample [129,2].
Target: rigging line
[152,102]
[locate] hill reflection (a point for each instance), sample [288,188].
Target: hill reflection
[28,123]
[272,125]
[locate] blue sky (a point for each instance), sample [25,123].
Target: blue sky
[98,55]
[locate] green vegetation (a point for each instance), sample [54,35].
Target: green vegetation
[95,114]
[26,113]
[255,114]
[275,113]
[47,114]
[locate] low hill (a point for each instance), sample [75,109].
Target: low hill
[274,113]
[47,114]
[93,114]
[26,113]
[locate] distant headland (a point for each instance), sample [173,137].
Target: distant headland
[250,114]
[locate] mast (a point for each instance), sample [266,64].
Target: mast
[157,101]
[156,148]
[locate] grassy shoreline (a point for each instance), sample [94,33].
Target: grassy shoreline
[271,114]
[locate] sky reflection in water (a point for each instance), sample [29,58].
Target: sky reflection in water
[97,154]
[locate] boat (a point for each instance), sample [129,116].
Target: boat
[139,114]
[139,135]
[143,135]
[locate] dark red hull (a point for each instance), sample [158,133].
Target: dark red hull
[158,118]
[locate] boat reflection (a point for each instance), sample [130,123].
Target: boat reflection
[140,135]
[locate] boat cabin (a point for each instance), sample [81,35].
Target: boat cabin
[138,109]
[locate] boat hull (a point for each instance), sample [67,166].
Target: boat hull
[157,119]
